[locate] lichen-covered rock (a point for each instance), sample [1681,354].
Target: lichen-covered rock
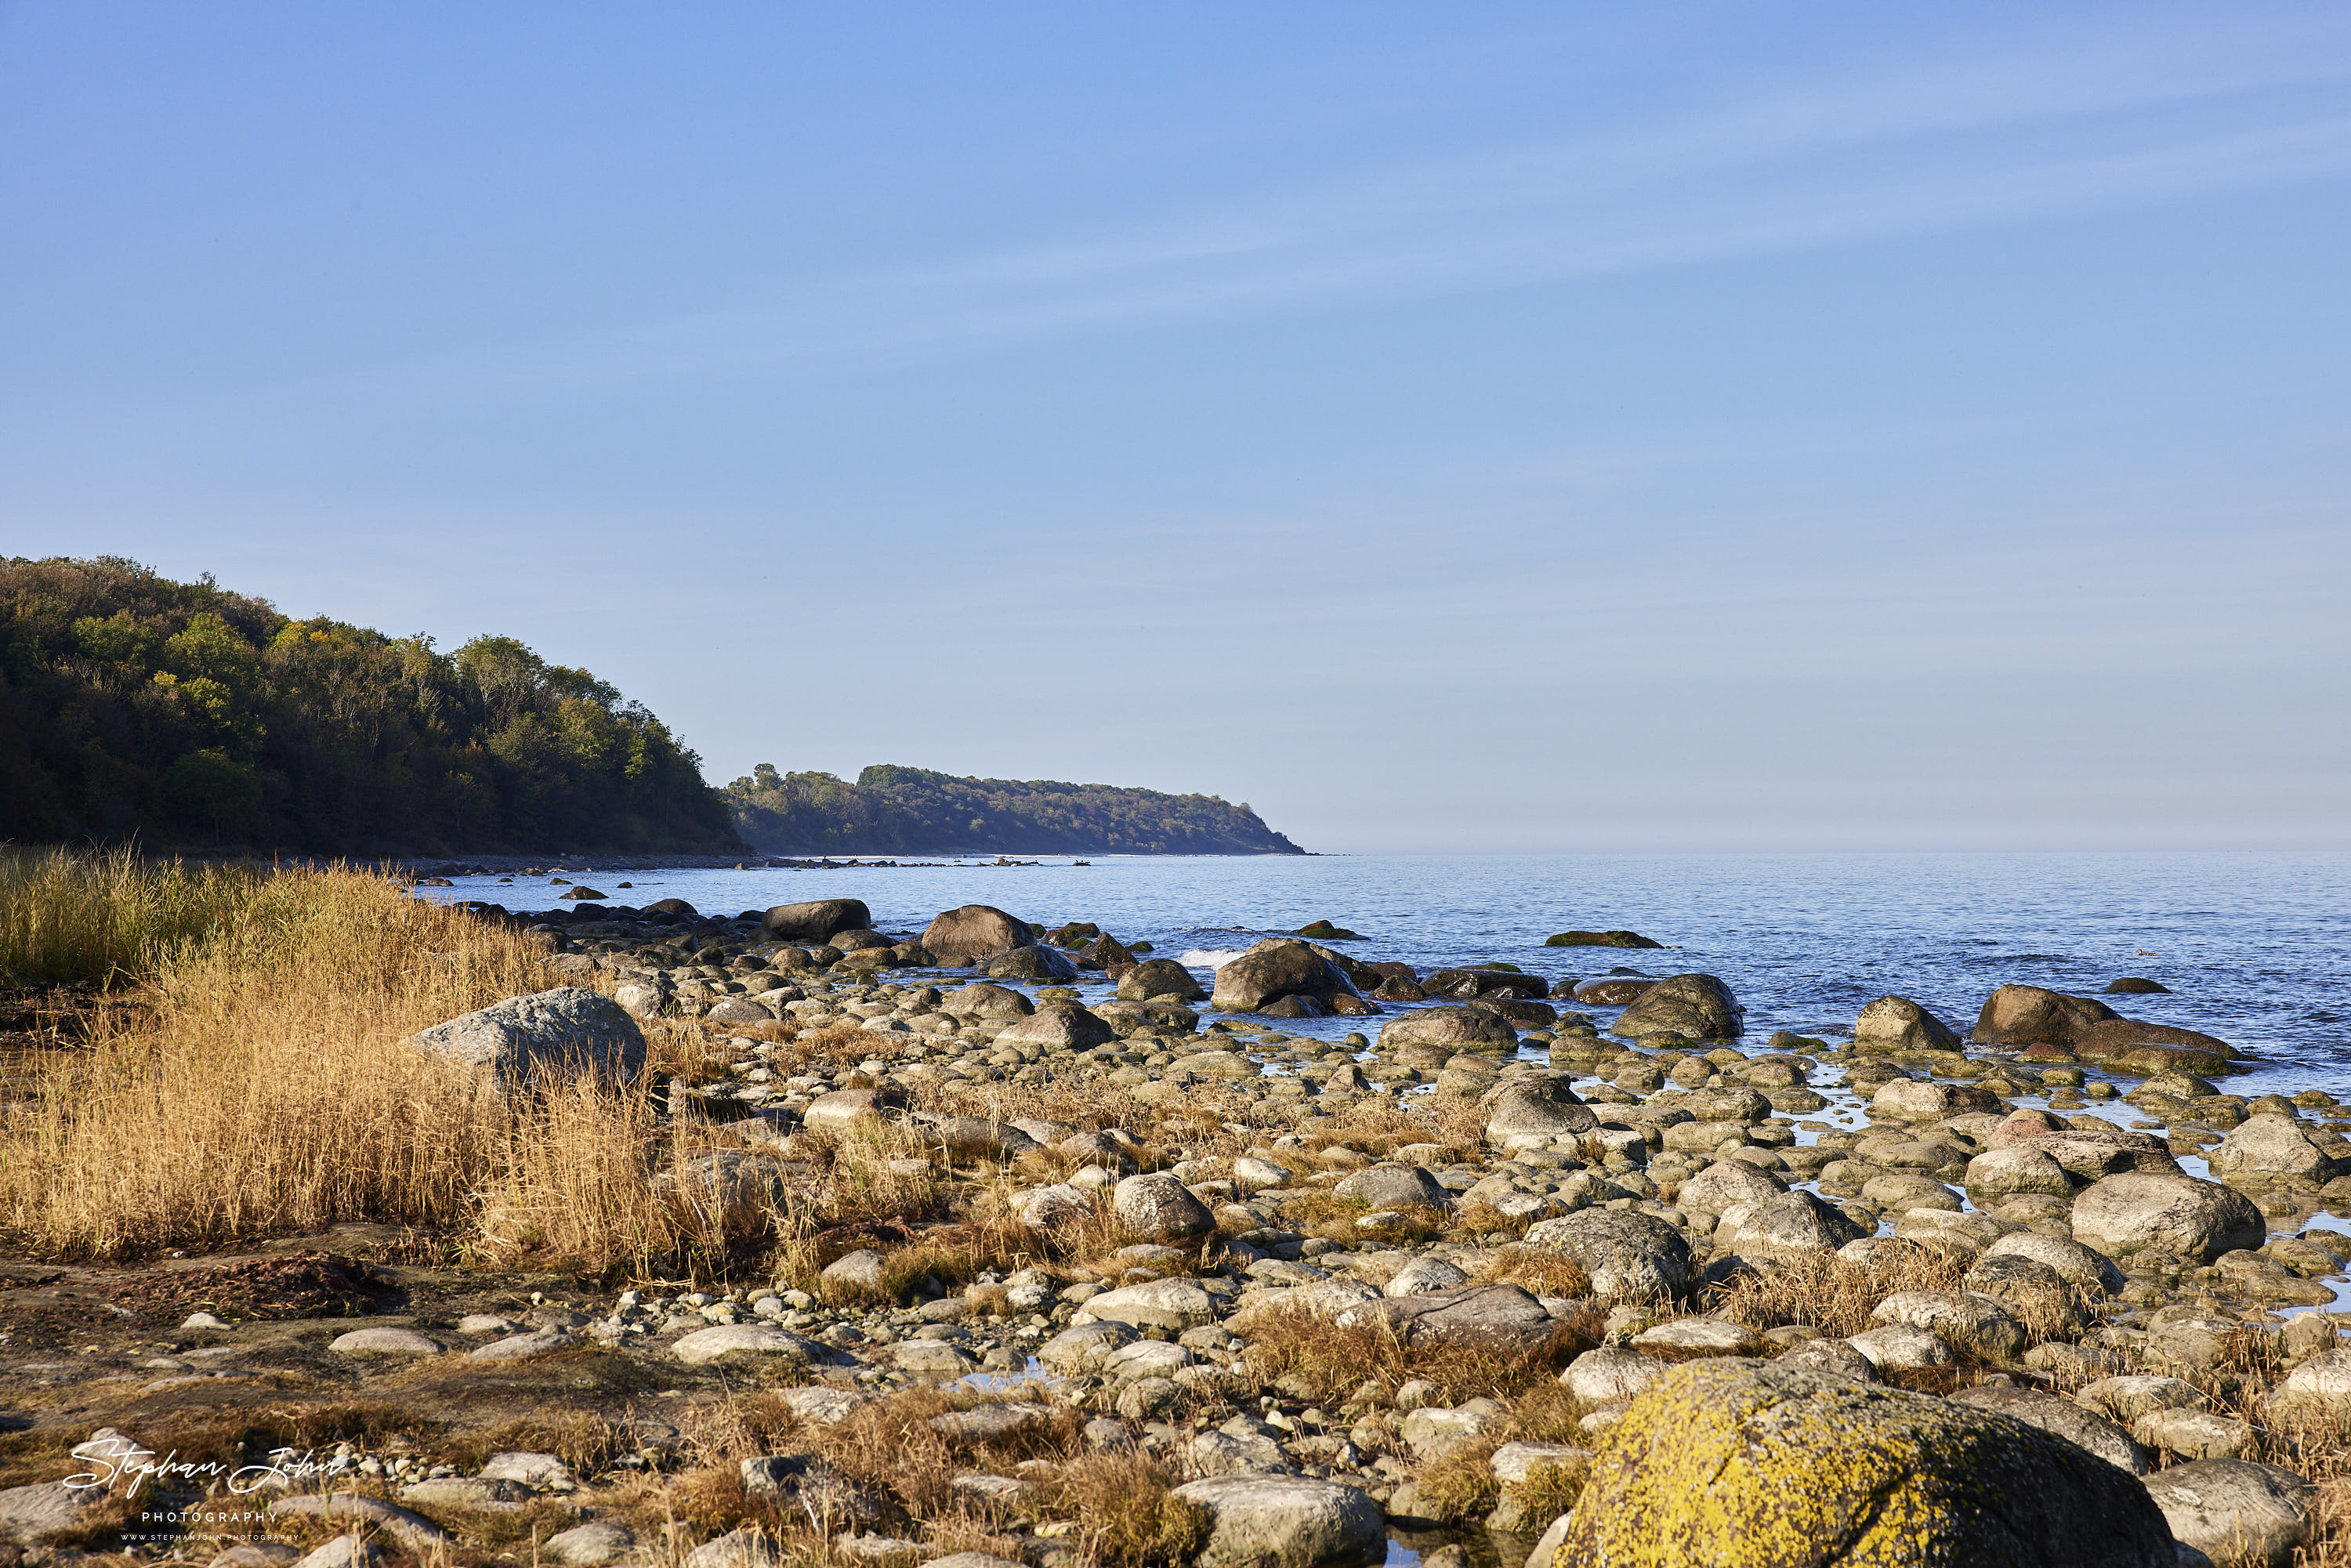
[1393,1185]
[1966,1321]
[1725,1184]
[2138,1212]
[1695,1007]
[1064,1025]
[1788,1225]
[1748,1464]
[1898,1023]
[565,1029]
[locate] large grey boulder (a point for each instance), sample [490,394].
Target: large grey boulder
[1998,1173]
[1787,1226]
[1725,1184]
[817,920]
[2234,1510]
[566,1030]
[1036,962]
[1695,1007]
[1536,1107]
[1159,977]
[1294,1520]
[1063,1026]
[1770,1465]
[1622,1252]
[1158,1208]
[1494,1316]
[975,931]
[1962,1320]
[1276,968]
[1611,1374]
[1452,1029]
[1898,1023]
[2136,1212]
[982,1000]
[1394,1185]
[2077,1265]
[2273,1145]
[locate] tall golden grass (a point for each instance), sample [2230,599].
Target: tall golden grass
[74,918]
[263,1087]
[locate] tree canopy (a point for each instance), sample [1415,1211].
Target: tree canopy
[191,717]
[913,811]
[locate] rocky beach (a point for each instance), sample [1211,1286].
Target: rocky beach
[1029,1245]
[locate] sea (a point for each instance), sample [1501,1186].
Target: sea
[2253,947]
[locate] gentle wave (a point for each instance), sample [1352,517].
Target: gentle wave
[1208,957]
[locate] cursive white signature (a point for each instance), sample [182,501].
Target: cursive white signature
[119,1460]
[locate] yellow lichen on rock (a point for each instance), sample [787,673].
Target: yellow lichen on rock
[1743,1464]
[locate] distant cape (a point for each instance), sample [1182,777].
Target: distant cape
[914,810]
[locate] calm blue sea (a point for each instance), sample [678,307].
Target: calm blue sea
[2256,947]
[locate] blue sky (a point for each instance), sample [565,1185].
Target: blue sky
[1544,428]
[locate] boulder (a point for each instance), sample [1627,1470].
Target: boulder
[2087,1152]
[1394,1185]
[1788,1225]
[1492,1316]
[1964,1321]
[1276,968]
[2273,1145]
[1837,1357]
[2136,986]
[1158,1208]
[2064,1418]
[2135,1212]
[747,1341]
[814,921]
[1910,1100]
[1159,977]
[982,1000]
[1599,939]
[2156,1046]
[2320,1387]
[1467,983]
[1064,1025]
[1254,1519]
[975,931]
[1056,1207]
[2233,1511]
[1536,1107]
[1770,1465]
[1622,1252]
[1175,1304]
[566,1029]
[1998,1173]
[1452,1029]
[1033,963]
[972,1137]
[840,1109]
[2032,1015]
[1695,1007]
[1898,1023]
[1725,1184]
[1610,1375]
[1424,1273]
[2077,1265]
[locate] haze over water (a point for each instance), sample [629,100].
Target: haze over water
[2256,947]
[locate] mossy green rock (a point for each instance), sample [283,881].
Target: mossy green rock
[1745,1464]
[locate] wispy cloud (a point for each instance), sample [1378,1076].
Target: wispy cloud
[2018,137]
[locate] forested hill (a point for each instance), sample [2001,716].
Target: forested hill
[910,811]
[194,718]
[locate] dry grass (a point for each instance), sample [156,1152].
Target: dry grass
[70,918]
[1832,1293]
[263,1089]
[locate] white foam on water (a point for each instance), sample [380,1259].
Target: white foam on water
[1208,957]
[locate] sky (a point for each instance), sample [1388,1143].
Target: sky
[1569,427]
